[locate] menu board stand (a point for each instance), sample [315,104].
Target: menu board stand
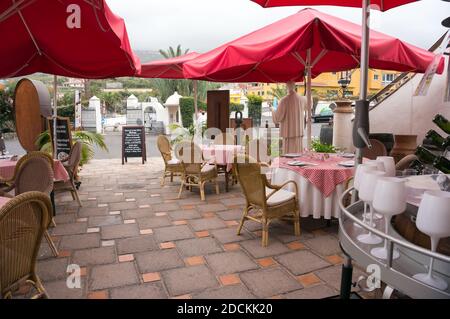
[63,136]
[133,143]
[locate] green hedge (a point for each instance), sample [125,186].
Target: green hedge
[254,109]
[6,112]
[187,110]
[234,107]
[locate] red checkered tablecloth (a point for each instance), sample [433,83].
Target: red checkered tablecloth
[7,168]
[326,175]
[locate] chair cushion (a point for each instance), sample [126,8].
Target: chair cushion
[279,197]
[174,161]
[208,168]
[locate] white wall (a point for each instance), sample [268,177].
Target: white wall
[403,113]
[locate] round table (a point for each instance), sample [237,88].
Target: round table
[320,185]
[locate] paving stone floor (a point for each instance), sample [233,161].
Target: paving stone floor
[134,239]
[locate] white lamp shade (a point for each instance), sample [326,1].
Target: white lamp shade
[390,196]
[433,217]
[359,170]
[367,184]
[389,165]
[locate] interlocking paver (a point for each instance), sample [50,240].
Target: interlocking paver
[137,244]
[207,223]
[119,231]
[269,282]
[309,262]
[96,256]
[198,246]
[153,222]
[154,261]
[172,233]
[229,235]
[52,269]
[230,262]
[152,290]
[324,245]
[180,248]
[114,275]
[80,241]
[187,280]
[257,251]
[97,221]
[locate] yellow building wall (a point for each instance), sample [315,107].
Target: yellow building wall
[326,85]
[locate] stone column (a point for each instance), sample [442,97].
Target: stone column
[342,125]
[94,103]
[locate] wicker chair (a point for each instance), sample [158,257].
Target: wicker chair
[269,201]
[195,171]
[7,185]
[35,174]
[378,149]
[405,162]
[172,166]
[23,221]
[71,165]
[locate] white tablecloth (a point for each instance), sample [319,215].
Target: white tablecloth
[311,199]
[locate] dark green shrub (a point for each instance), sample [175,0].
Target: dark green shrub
[254,109]
[187,110]
[6,112]
[234,107]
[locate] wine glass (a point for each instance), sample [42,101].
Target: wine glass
[366,193]
[356,182]
[433,219]
[389,199]
[389,165]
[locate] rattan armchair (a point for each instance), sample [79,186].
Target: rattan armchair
[172,166]
[6,185]
[35,174]
[195,171]
[23,221]
[71,165]
[268,201]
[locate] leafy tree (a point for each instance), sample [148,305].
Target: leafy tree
[6,111]
[254,108]
[278,91]
[171,53]
[113,101]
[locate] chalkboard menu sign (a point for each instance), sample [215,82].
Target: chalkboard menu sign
[133,143]
[63,136]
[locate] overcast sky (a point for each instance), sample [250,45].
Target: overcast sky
[201,25]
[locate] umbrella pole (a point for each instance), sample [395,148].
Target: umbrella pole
[308,98]
[55,112]
[195,101]
[361,122]
[364,68]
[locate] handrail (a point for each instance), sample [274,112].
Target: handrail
[383,235]
[401,77]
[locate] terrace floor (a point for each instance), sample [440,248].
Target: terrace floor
[134,239]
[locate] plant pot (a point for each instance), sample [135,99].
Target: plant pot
[403,145]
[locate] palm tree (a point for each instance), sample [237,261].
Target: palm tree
[171,53]
[278,91]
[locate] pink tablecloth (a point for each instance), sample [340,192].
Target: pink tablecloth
[325,176]
[223,154]
[7,170]
[3,200]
